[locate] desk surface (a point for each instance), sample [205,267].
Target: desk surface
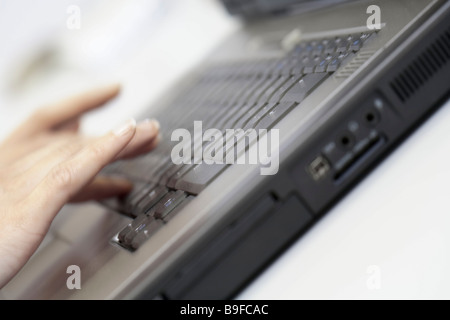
[387,239]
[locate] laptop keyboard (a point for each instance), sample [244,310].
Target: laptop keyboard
[245,95]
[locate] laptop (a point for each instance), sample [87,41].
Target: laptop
[260,141]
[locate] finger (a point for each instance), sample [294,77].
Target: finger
[102,188]
[39,164]
[68,110]
[143,141]
[69,126]
[74,107]
[67,179]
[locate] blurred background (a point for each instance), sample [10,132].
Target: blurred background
[55,48]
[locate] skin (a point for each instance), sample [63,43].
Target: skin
[45,163]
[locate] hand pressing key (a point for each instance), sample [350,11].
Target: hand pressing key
[46,163]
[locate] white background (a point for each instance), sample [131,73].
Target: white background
[388,239]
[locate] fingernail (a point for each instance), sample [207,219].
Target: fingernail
[152,123]
[112,89]
[156,124]
[128,126]
[112,86]
[159,138]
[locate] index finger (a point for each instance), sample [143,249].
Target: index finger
[58,114]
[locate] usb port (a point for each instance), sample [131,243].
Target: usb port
[319,168]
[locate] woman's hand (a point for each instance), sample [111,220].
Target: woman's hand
[45,164]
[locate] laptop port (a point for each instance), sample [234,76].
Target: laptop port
[319,168]
[371,117]
[362,150]
[346,140]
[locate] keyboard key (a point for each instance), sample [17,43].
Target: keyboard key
[278,67]
[177,209]
[342,45]
[157,171]
[303,87]
[258,115]
[132,168]
[308,65]
[274,115]
[322,66]
[169,173]
[333,65]
[230,121]
[365,36]
[330,47]
[356,45]
[299,50]
[199,177]
[178,175]
[297,70]
[130,231]
[247,94]
[318,50]
[282,90]
[249,112]
[136,196]
[112,168]
[124,205]
[287,70]
[147,229]
[309,48]
[275,86]
[149,200]
[268,83]
[168,203]
[240,146]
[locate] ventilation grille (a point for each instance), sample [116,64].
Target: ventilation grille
[423,68]
[354,65]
